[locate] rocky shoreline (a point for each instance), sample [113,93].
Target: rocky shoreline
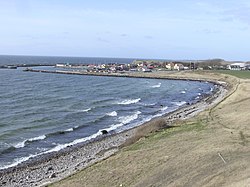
[55,166]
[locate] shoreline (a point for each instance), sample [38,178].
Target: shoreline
[58,165]
[125,74]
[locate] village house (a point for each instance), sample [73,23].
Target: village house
[236,66]
[170,66]
[178,67]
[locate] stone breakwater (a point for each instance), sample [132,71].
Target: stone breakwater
[58,165]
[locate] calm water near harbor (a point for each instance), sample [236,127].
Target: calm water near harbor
[42,113]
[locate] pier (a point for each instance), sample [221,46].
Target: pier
[128,74]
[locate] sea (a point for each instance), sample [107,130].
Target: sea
[42,113]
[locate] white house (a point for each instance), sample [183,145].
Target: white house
[237,66]
[178,67]
[170,66]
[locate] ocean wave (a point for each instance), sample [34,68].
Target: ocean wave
[81,140]
[112,127]
[129,101]
[18,161]
[180,103]
[85,110]
[69,130]
[112,114]
[149,104]
[22,144]
[123,121]
[55,149]
[63,131]
[59,147]
[183,92]
[7,150]
[95,102]
[156,86]
[127,119]
[164,108]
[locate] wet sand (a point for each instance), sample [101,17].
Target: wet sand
[56,166]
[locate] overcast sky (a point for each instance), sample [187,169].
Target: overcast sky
[166,29]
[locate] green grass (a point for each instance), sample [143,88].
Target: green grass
[239,74]
[156,136]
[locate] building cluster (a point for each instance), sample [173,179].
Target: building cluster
[238,66]
[137,66]
[148,66]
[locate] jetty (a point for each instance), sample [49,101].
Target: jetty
[15,66]
[127,74]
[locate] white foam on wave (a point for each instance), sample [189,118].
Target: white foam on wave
[156,86]
[183,92]
[180,103]
[112,114]
[123,121]
[58,147]
[129,101]
[22,144]
[113,127]
[127,119]
[69,130]
[81,140]
[37,138]
[164,108]
[85,110]
[18,161]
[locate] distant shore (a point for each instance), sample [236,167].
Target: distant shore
[22,66]
[172,75]
[58,165]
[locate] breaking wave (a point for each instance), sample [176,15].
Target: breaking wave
[112,114]
[180,103]
[129,101]
[22,144]
[85,110]
[127,119]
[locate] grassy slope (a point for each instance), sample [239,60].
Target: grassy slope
[240,74]
[187,155]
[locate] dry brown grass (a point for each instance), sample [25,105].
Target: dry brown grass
[188,155]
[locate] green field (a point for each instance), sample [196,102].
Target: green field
[239,74]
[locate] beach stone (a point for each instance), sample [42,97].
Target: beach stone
[4,182]
[53,175]
[50,168]
[104,132]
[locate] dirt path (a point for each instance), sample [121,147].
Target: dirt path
[212,149]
